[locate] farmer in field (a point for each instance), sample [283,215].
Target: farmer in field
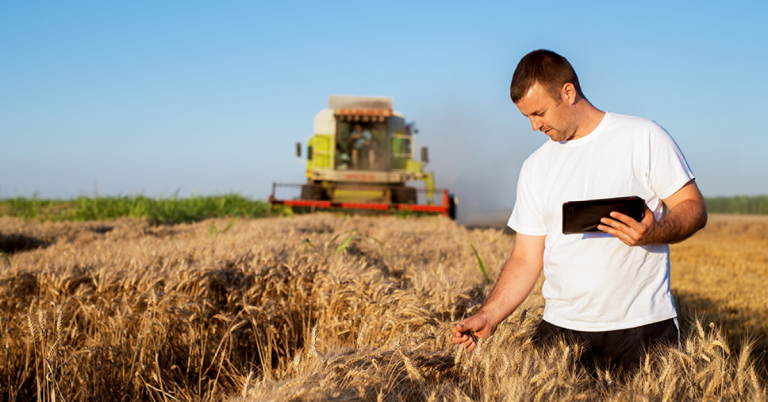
[361,141]
[608,291]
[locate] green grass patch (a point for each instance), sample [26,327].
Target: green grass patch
[740,204]
[157,210]
[480,263]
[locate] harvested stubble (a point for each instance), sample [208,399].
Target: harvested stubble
[114,309]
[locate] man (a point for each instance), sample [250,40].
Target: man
[361,141]
[608,291]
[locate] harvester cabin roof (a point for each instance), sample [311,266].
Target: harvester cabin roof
[361,108]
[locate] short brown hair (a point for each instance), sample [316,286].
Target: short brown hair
[548,69]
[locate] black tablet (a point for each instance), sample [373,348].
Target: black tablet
[584,216]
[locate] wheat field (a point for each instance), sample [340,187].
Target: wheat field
[324,307]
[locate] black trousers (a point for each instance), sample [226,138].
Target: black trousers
[622,349]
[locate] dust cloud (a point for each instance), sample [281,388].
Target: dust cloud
[477,155]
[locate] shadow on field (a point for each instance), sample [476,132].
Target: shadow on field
[505,229]
[103,229]
[15,243]
[738,325]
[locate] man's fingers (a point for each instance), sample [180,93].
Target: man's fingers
[618,233]
[465,339]
[623,219]
[631,222]
[464,326]
[470,324]
[612,226]
[628,230]
[459,337]
[455,331]
[623,224]
[610,230]
[467,331]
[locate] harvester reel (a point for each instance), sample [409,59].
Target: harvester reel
[314,192]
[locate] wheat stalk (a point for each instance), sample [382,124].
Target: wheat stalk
[33,332]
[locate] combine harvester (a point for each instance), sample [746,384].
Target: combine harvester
[360,157]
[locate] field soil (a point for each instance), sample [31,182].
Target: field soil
[324,307]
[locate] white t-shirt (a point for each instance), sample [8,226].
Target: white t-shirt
[594,282]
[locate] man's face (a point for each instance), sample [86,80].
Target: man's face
[547,115]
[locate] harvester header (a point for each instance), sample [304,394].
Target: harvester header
[361,156]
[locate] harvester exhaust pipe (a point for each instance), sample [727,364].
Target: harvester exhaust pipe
[424,155]
[298,150]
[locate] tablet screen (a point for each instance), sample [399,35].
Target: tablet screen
[584,216]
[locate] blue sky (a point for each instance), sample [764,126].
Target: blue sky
[205,98]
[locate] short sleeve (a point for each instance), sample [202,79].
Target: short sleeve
[527,215]
[668,171]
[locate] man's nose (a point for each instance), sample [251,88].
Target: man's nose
[535,124]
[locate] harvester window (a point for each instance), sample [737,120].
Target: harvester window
[401,151]
[360,145]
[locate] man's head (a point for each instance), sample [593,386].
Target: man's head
[548,69]
[546,90]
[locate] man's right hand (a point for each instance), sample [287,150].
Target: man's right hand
[471,329]
[515,282]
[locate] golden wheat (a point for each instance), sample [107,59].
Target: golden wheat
[107,310]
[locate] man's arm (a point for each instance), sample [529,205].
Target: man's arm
[687,214]
[515,282]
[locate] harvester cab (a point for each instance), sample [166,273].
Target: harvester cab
[361,156]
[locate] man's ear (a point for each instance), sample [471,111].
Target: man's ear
[568,93]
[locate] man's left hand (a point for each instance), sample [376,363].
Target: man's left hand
[630,231]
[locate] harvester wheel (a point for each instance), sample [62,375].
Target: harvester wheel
[404,195]
[312,192]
